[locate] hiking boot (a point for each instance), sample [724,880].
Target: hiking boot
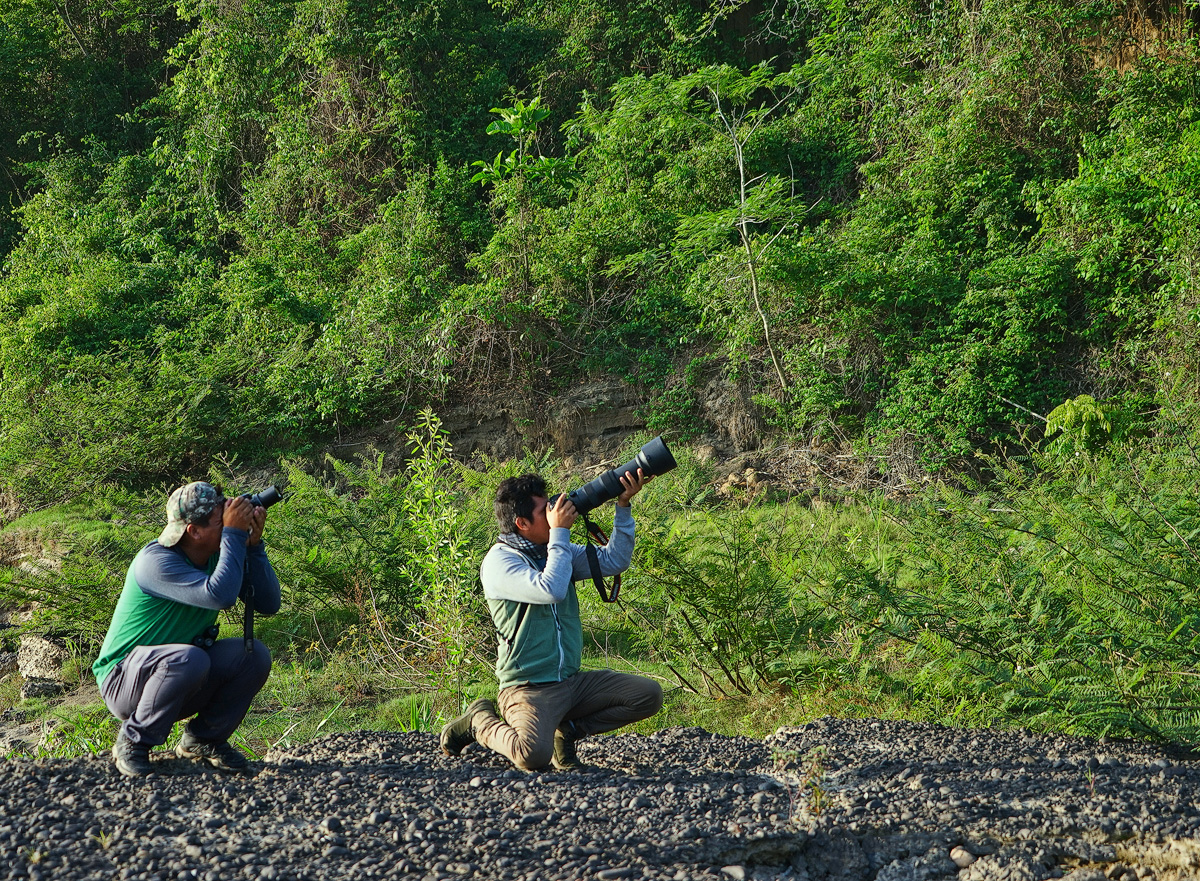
[564,758]
[132,759]
[219,755]
[460,733]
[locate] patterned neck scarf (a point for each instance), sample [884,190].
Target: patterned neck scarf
[536,553]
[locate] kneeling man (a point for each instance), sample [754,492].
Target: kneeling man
[160,662]
[546,702]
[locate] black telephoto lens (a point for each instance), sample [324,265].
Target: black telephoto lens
[654,459]
[264,498]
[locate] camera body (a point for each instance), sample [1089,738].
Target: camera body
[264,498]
[654,459]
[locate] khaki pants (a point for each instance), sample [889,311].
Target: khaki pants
[593,702]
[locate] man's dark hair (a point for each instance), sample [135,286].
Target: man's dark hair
[514,498]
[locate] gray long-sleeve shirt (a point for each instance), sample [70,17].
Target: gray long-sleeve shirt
[168,574]
[167,599]
[507,574]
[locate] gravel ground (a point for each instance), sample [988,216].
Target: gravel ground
[830,800]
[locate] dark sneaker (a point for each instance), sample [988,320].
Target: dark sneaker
[132,759]
[460,733]
[219,755]
[564,752]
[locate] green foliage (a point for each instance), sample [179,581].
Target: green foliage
[907,223]
[1084,425]
[231,232]
[1061,598]
[72,587]
[399,548]
[520,122]
[676,411]
[713,606]
[87,732]
[72,75]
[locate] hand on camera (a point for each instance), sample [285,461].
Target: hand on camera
[563,513]
[240,514]
[258,519]
[633,485]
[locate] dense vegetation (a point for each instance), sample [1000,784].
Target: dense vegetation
[1062,595]
[231,229]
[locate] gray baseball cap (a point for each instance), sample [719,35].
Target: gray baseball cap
[187,505]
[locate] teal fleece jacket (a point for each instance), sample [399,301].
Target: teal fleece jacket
[536,611]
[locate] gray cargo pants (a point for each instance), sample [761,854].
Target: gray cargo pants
[157,685]
[594,702]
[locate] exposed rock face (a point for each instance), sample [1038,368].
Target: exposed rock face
[31,552]
[594,420]
[34,687]
[728,407]
[41,657]
[40,661]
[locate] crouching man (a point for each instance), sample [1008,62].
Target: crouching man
[546,702]
[160,661]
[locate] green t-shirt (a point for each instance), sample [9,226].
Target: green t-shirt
[141,619]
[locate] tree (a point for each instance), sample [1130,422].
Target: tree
[511,175]
[737,106]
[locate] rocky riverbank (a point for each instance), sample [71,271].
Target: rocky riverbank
[831,800]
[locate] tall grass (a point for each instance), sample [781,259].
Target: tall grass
[1064,594]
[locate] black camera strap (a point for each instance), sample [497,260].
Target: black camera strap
[248,603]
[595,533]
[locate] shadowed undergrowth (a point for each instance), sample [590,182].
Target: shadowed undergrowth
[1061,595]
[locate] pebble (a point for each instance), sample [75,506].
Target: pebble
[612,874]
[962,857]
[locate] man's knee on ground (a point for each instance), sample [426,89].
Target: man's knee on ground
[534,758]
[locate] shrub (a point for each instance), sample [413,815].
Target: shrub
[1064,598]
[398,546]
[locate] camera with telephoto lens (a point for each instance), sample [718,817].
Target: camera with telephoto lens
[264,498]
[654,459]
